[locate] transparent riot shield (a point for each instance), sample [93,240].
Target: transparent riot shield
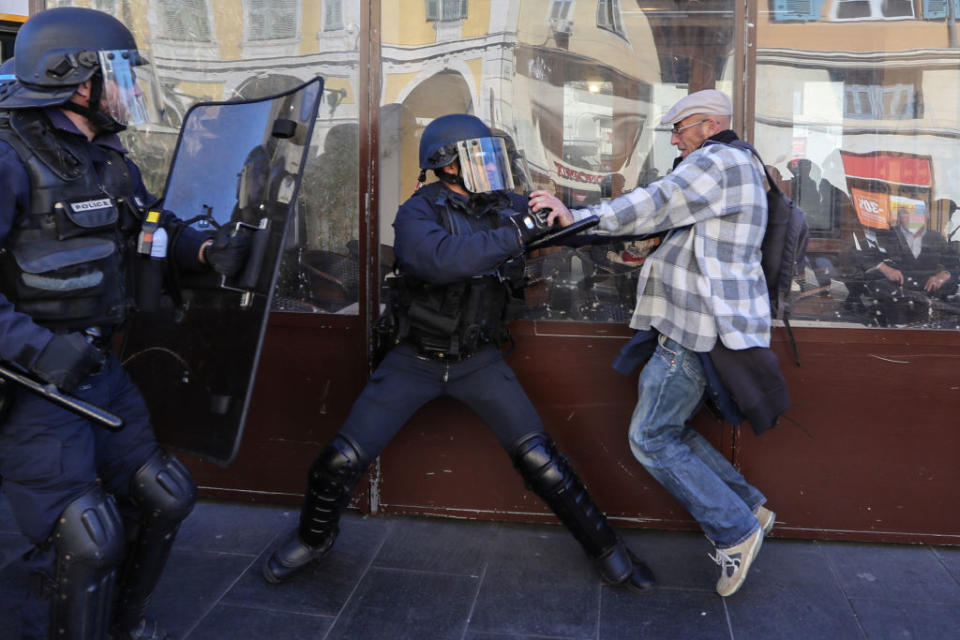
[194,356]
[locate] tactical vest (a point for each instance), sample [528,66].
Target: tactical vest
[63,262]
[454,320]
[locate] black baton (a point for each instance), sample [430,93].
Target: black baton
[50,392]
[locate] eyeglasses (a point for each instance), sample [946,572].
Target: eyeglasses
[677,129]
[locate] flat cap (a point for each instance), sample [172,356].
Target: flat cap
[709,102]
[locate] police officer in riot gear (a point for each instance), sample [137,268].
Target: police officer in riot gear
[459,247]
[101,507]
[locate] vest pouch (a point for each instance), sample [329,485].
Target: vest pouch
[432,321]
[84,216]
[63,280]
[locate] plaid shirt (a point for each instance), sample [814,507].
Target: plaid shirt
[705,279]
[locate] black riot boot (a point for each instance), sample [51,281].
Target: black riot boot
[164,493]
[332,479]
[548,474]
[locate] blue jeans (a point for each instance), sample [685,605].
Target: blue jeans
[684,462]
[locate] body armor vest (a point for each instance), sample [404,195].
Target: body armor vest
[63,262]
[456,319]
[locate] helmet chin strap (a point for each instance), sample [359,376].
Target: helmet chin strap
[97,118]
[451,178]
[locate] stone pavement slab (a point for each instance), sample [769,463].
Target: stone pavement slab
[436,579]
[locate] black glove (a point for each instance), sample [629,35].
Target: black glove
[532,225]
[66,360]
[228,252]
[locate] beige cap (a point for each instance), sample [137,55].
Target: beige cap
[708,102]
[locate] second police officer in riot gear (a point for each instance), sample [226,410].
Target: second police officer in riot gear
[459,248]
[101,507]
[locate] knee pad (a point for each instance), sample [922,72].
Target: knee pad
[164,489]
[341,457]
[543,468]
[89,545]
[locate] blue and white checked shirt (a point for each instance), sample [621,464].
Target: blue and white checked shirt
[705,279]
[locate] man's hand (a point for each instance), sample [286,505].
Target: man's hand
[558,211]
[936,281]
[890,273]
[66,360]
[226,252]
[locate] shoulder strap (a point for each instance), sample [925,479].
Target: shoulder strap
[33,136]
[746,146]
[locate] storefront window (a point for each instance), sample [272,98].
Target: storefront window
[579,88]
[205,50]
[864,135]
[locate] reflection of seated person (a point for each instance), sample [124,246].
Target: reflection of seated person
[950,212]
[899,263]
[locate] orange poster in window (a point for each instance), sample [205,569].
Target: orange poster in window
[873,209]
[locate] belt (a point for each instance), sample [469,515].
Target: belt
[440,356]
[437,353]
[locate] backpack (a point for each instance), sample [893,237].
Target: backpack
[783,251]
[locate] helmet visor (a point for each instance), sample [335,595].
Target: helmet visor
[131,90]
[485,165]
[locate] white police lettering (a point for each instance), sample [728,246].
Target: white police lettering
[90,205]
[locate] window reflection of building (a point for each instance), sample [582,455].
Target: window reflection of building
[332,15]
[207,50]
[872,9]
[184,20]
[580,87]
[560,9]
[110,6]
[8,33]
[271,19]
[852,10]
[609,18]
[879,119]
[879,94]
[442,10]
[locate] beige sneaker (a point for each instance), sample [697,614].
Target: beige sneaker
[735,562]
[766,517]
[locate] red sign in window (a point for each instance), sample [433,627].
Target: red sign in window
[901,169]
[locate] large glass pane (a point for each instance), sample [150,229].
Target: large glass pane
[214,50]
[858,110]
[579,87]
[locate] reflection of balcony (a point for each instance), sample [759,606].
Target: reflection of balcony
[561,30]
[448,30]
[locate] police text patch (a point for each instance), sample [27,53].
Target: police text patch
[90,205]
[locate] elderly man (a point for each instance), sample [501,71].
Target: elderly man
[704,283]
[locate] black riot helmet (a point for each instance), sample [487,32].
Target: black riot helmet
[59,49]
[484,161]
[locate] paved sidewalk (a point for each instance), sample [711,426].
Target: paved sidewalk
[423,578]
